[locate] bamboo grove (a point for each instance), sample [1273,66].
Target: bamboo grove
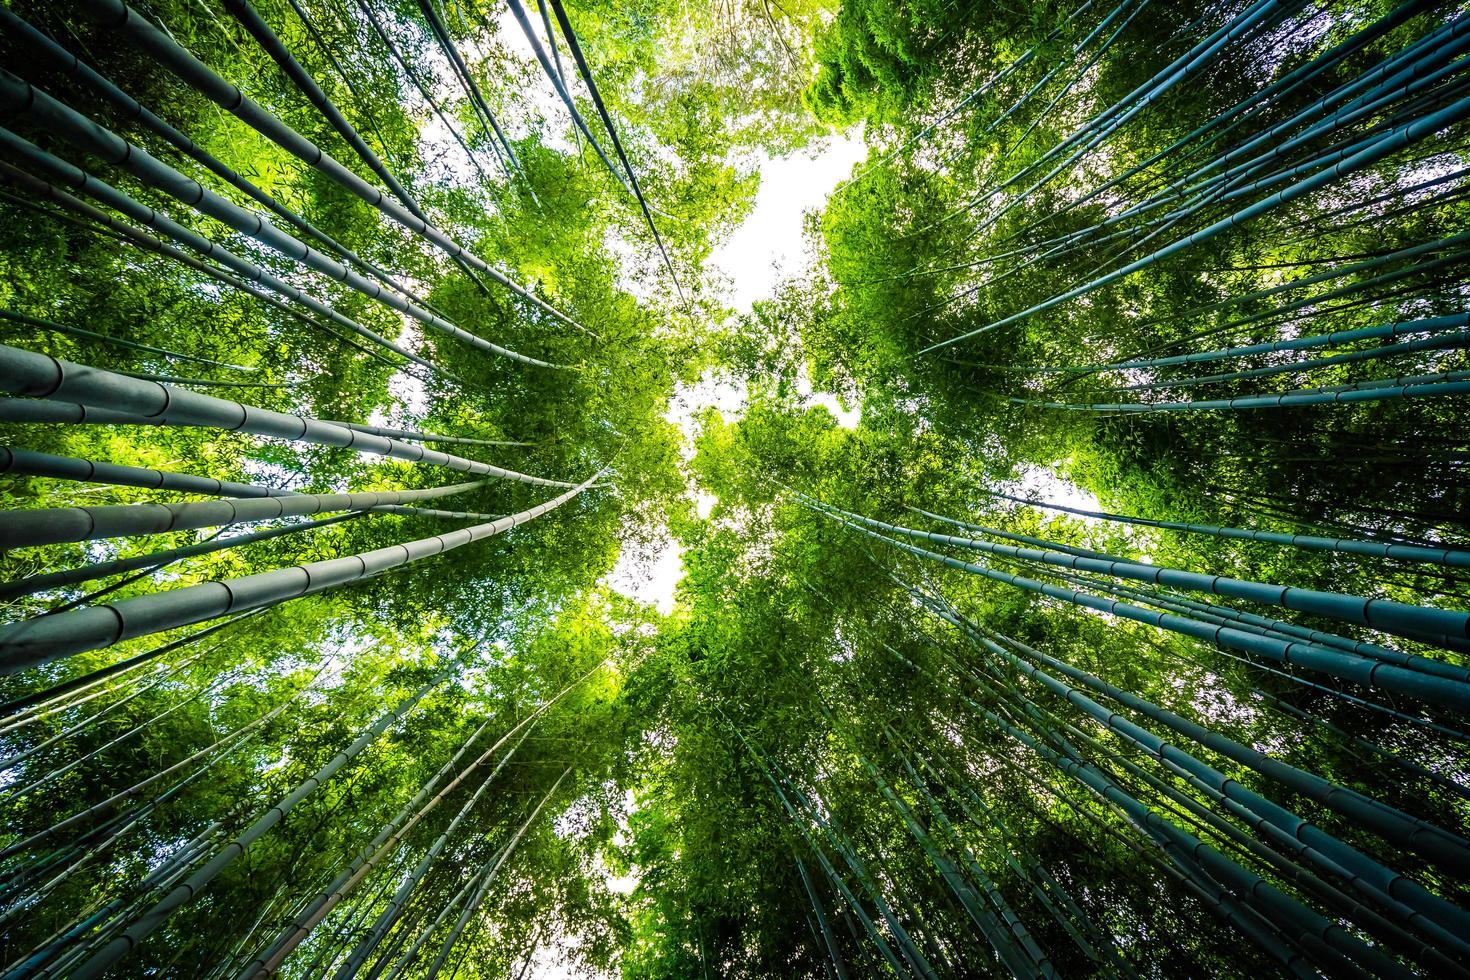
[1119,629]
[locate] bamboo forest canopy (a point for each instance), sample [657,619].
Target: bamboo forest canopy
[1072,545]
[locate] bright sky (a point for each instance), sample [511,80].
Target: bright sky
[767,245]
[770,240]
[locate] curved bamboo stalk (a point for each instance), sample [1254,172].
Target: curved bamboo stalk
[612,132]
[28,463]
[130,108]
[26,373]
[24,99]
[417,436]
[62,328]
[1374,549]
[249,272]
[147,36]
[143,926]
[86,573]
[42,640]
[38,526]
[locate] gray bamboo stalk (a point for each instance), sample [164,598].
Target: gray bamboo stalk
[1397,139]
[73,331]
[186,892]
[59,170]
[130,108]
[23,99]
[386,841]
[103,673]
[87,573]
[414,435]
[28,463]
[390,915]
[1361,670]
[612,132]
[266,38]
[1380,882]
[30,374]
[1380,614]
[519,11]
[489,877]
[1311,542]
[45,639]
[38,526]
[457,515]
[147,36]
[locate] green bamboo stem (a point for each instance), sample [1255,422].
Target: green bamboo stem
[28,463]
[41,526]
[45,639]
[27,101]
[156,559]
[73,331]
[101,392]
[130,108]
[147,36]
[248,272]
[143,926]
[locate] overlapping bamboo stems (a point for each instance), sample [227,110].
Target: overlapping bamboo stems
[34,464]
[45,779]
[157,44]
[586,72]
[440,33]
[248,272]
[27,101]
[109,228]
[33,642]
[428,96]
[39,526]
[942,819]
[162,676]
[1385,615]
[1206,819]
[157,559]
[1000,76]
[1257,17]
[1016,950]
[93,842]
[1450,557]
[1046,727]
[104,958]
[390,915]
[1280,923]
[488,876]
[1182,859]
[130,108]
[388,838]
[1219,126]
[266,38]
[1384,331]
[1378,149]
[133,791]
[1288,827]
[75,331]
[1074,920]
[833,877]
[105,393]
[1425,386]
[557,82]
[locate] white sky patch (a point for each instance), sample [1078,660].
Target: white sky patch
[1045,484]
[649,576]
[770,240]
